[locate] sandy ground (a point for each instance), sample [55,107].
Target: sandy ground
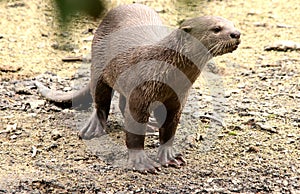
[257,152]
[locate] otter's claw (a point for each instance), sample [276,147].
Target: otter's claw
[139,161]
[167,157]
[93,129]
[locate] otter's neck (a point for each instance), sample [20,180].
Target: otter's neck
[186,53]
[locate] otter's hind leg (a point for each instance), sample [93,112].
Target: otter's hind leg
[97,122]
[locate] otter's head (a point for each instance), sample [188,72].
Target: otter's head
[217,34]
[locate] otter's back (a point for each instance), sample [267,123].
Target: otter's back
[125,27]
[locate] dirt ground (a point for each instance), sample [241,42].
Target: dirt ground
[256,93]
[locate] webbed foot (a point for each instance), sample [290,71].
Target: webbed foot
[92,129]
[168,157]
[139,161]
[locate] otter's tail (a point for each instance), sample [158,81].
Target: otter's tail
[81,99]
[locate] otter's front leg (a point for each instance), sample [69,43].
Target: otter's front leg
[152,125]
[136,116]
[166,152]
[137,158]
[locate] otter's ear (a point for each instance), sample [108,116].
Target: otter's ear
[186,28]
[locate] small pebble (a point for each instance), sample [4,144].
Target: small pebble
[11,127]
[253,149]
[66,89]
[259,24]
[13,137]
[290,141]
[290,135]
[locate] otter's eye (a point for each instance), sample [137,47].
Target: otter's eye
[217,29]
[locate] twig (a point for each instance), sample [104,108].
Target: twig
[212,118]
[72,59]
[284,94]
[5,131]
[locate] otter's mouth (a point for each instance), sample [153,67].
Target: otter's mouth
[224,47]
[236,45]
[231,46]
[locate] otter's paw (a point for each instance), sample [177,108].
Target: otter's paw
[139,161]
[89,132]
[168,157]
[92,129]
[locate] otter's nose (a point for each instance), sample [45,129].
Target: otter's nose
[235,35]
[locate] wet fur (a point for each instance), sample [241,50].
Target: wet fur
[135,55]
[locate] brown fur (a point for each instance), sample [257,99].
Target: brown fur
[148,64]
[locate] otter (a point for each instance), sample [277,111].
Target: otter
[153,69]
